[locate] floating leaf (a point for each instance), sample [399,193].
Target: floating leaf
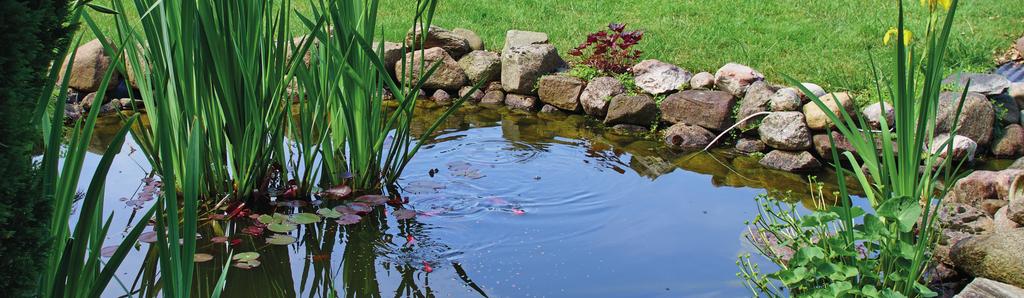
[253,230]
[108,251]
[373,200]
[278,239]
[344,209]
[360,208]
[219,239]
[148,237]
[266,219]
[281,227]
[338,191]
[349,219]
[279,218]
[248,264]
[328,213]
[246,256]
[201,257]
[304,218]
[403,214]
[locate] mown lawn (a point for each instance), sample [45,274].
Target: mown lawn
[824,41]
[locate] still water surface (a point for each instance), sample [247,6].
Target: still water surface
[520,206]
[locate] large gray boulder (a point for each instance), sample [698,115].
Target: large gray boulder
[522,66]
[392,55]
[735,78]
[963,147]
[637,110]
[791,161]
[1015,208]
[980,186]
[874,113]
[475,42]
[448,76]
[785,131]
[757,99]
[91,63]
[514,38]
[561,91]
[1011,143]
[707,109]
[481,66]
[823,145]
[785,100]
[454,44]
[814,88]
[996,256]
[598,93]
[686,137]
[656,77]
[986,288]
[750,145]
[1017,93]
[817,119]
[976,118]
[987,84]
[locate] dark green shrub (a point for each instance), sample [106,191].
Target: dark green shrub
[32,32]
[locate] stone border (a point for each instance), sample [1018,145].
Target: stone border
[528,74]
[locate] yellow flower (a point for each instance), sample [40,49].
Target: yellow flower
[932,3]
[907,36]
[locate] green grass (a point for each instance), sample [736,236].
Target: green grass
[823,41]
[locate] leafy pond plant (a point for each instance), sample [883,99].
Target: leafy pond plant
[844,250]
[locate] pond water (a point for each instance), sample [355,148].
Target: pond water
[520,206]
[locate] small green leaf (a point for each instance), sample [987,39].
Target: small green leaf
[246,256]
[328,213]
[807,254]
[279,239]
[304,218]
[869,291]
[266,219]
[281,227]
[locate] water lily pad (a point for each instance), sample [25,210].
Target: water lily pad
[349,219]
[403,214]
[278,239]
[248,264]
[246,256]
[266,219]
[304,218]
[328,213]
[360,208]
[201,257]
[108,251]
[338,191]
[373,200]
[253,230]
[219,239]
[148,237]
[281,227]
[344,209]
[279,218]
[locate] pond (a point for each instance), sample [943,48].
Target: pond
[508,205]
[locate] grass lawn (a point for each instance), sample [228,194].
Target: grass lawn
[823,41]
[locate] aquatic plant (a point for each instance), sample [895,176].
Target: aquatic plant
[366,141]
[845,251]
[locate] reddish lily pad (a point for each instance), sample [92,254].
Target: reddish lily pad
[337,192]
[373,200]
[344,209]
[108,251]
[248,264]
[148,237]
[349,219]
[360,208]
[219,239]
[201,257]
[253,230]
[403,214]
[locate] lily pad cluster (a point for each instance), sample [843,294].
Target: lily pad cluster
[246,260]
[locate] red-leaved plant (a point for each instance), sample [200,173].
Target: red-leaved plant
[609,50]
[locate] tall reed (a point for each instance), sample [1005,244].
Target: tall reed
[846,251]
[350,75]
